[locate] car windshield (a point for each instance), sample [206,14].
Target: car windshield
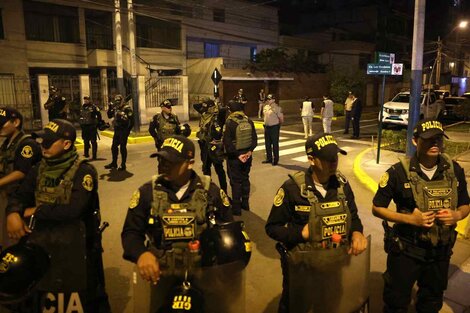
[404,97]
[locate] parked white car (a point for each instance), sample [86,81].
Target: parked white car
[395,112]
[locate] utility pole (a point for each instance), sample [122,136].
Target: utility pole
[118,41]
[438,61]
[135,98]
[416,73]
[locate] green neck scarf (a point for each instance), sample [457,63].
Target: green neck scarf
[54,168]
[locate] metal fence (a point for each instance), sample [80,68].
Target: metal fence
[157,89]
[17,92]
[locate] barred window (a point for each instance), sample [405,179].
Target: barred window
[99,29]
[153,33]
[7,90]
[211,50]
[50,22]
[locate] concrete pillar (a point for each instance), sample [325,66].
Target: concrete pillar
[104,88]
[84,86]
[141,96]
[185,95]
[43,87]
[184,49]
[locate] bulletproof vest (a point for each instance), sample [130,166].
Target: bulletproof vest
[326,218]
[243,139]
[434,196]
[59,194]
[181,222]
[166,127]
[121,119]
[88,115]
[205,125]
[7,154]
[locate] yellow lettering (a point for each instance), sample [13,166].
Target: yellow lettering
[325,140]
[52,126]
[3,113]
[431,124]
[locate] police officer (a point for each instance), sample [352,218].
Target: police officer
[164,124]
[55,104]
[60,197]
[157,206]
[210,140]
[240,140]
[431,195]
[90,118]
[18,153]
[294,221]
[240,97]
[123,121]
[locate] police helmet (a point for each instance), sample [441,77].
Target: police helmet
[185,130]
[103,125]
[225,243]
[184,298]
[21,267]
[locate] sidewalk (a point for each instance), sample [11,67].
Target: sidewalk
[456,298]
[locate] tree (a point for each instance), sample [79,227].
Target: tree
[342,82]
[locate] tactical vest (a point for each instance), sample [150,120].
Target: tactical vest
[181,222]
[166,127]
[121,120]
[7,154]
[59,194]
[326,218]
[205,124]
[88,115]
[243,132]
[434,196]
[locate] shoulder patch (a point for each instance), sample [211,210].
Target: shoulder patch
[135,199]
[87,182]
[27,152]
[224,197]
[279,197]
[384,180]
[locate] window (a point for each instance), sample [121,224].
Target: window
[219,15]
[153,33]
[2,34]
[7,94]
[99,30]
[211,50]
[253,54]
[50,22]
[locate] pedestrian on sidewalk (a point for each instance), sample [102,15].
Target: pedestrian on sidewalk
[240,140]
[430,193]
[261,101]
[347,111]
[327,114]
[298,220]
[273,118]
[356,116]
[306,111]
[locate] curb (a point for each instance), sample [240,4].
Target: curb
[371,184]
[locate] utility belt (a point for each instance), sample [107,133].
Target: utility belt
[396,244]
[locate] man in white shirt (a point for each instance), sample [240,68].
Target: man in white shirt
[327,114]
[307,115]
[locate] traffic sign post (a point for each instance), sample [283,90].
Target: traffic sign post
[385,66]
[216,78]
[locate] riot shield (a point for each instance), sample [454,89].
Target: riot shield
[222,288]
[328,280]
[66,245]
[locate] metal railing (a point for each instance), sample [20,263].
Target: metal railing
[157,89]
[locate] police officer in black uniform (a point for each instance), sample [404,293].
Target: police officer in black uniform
[18,153]
[90,118]
[295,206]
[240,140]
[430,192]
[164,124]
[55,105]
[123,121]
[157,206]
[210,140]
[59,196]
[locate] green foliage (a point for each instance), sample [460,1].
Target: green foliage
[343,82]
[277,60]
[338,109]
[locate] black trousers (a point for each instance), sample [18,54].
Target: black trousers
[402,273]
[239,175]
[209,159]
[347,121]
[120,140]
[89,135]
[355,124]
[271,142]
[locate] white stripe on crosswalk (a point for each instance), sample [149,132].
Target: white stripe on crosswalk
[282,144]
[291,151]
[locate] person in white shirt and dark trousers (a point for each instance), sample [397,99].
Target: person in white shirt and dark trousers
[273,118]
[306,110]
[327,114]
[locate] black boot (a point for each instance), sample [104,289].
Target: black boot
[110,165]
